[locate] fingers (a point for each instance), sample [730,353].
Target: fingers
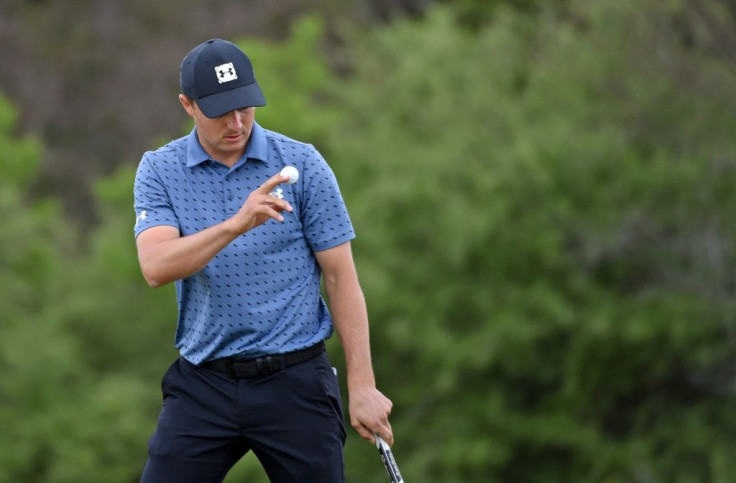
[386,434]
[370,416]
[272,182]
[277,205]
[383,430]
[262,204]
[383,427]
[273,213]
[273,200]
[364,432]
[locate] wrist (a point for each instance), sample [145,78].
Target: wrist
[230,228]
[361,382]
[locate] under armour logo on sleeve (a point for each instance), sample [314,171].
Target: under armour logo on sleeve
[140,217]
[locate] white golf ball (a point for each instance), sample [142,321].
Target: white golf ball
[292,173]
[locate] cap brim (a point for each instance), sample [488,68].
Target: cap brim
[238,98]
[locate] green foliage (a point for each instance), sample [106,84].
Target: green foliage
[297,82]
[543,210]
[81,336]
[20,158]
[534,205]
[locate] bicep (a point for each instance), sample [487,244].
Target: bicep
[337,264]
[154,235]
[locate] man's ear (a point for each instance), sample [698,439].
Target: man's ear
[187,104]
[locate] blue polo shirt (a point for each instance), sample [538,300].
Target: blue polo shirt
[261,294]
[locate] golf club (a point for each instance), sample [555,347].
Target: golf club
[388,460]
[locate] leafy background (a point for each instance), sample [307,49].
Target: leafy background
[543,198]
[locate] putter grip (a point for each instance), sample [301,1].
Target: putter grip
[388,460]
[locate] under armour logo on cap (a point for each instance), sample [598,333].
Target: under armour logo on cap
[226,72]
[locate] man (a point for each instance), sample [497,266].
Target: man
[247,254]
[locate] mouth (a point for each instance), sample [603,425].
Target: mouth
[233,137]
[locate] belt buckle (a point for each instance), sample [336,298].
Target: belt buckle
[263,365]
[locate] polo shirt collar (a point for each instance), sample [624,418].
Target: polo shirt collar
[257,147]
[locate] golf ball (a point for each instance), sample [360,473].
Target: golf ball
[292,173]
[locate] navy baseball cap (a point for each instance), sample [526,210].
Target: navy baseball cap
[220,78]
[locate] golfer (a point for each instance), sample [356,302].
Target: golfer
[247,252]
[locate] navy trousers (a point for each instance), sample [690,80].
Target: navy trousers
[292,421]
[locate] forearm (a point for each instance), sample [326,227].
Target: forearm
[165,256]
[166,260]
[350,317]
[368,407]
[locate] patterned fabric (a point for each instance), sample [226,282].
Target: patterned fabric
[261,294]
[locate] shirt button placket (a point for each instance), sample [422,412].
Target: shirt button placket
[228,187]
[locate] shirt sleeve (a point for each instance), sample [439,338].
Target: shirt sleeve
[151,199]
[325,217]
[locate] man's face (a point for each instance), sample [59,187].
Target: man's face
[225,137]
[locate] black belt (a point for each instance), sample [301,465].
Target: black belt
[263,366]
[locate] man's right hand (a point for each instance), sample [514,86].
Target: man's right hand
[260,206]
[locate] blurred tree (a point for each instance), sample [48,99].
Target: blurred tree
[28,262]
[712,25]
[475,14]
[97,79]
[78,356]
[543,209]
[545,239]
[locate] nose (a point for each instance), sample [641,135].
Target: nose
[235,120]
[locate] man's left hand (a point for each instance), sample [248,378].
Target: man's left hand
[369,410]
